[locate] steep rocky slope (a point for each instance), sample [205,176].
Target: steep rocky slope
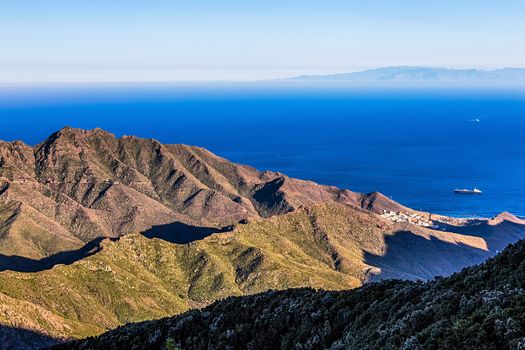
[482,307]
[80,185]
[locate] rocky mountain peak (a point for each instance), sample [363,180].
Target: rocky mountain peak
[92,184]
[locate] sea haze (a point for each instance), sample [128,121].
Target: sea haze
[413,144]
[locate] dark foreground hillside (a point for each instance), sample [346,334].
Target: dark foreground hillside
[482,307]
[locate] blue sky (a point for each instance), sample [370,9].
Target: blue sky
[64,40]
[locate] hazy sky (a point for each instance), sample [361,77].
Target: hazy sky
[63,40]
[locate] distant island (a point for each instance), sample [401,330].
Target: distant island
[422,74]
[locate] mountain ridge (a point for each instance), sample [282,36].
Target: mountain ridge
[133,278]
[98,231]
[80,185]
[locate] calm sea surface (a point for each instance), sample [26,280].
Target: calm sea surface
[415,145]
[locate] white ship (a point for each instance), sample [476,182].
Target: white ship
[465,191]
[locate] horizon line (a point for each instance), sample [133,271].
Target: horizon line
[249,80]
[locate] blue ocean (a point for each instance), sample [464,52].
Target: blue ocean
[413,144]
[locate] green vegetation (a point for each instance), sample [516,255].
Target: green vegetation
[136,278]
[482,307]
[329,246]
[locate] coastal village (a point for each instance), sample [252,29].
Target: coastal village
[411,218]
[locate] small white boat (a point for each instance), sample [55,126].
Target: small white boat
[466,191]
